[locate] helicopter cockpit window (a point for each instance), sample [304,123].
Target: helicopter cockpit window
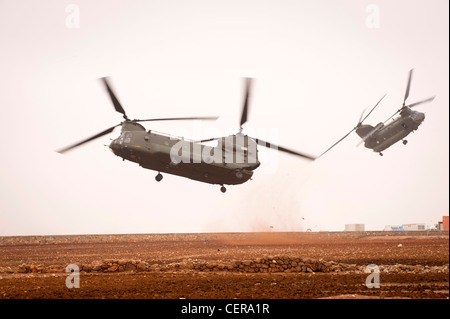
[127,136]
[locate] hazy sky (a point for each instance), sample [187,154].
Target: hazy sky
[316,64]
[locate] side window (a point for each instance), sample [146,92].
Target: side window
[128,136]
[122,136]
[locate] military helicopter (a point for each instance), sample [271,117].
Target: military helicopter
[231,162]
[382,136]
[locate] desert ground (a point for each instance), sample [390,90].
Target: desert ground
[271,265]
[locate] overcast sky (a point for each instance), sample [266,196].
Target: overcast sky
[316,64]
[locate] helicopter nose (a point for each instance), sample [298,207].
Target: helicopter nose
[114,146]
[420,117]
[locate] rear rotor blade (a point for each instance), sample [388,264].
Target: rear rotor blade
[88,139]
[359,143]
[361,116]
[337,142]
[208,140]
[365,137]
[213,118]
[408,86]
[283,149]
[421,102]
[372,109]
[114,99]
[248,82]
[359,123]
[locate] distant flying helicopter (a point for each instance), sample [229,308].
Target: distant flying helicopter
[382,136]
[231,162]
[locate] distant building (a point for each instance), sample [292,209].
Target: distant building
[354,227]
[443,225]
[409,227]
[393,228]
[420,226]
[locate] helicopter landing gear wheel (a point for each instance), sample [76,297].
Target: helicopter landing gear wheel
[158,177]
[381,154]
[405,142]
[223,189]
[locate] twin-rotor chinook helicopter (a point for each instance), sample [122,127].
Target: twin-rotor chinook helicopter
[231,162]
[382,136]
[235,157]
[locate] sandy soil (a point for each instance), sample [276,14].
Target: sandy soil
[429,250]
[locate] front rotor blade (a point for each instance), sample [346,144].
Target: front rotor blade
[421,102]
[408,86]
[213,118]
[248,82]
[113,97]
[392,115]
[283,149]
[88,139]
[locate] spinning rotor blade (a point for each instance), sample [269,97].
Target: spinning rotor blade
[421,102]
[390,117]
[411,105]
[359,123]
[283,149]
[118,107]
[360,142]
[365,137]
[408,86]
[248,82]
[361,116]
[180,119]
[208,140]
[114,99]
[88,139]
[371,110]
[338,141]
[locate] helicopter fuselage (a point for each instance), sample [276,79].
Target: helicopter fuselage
[225,164]
[383,136]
